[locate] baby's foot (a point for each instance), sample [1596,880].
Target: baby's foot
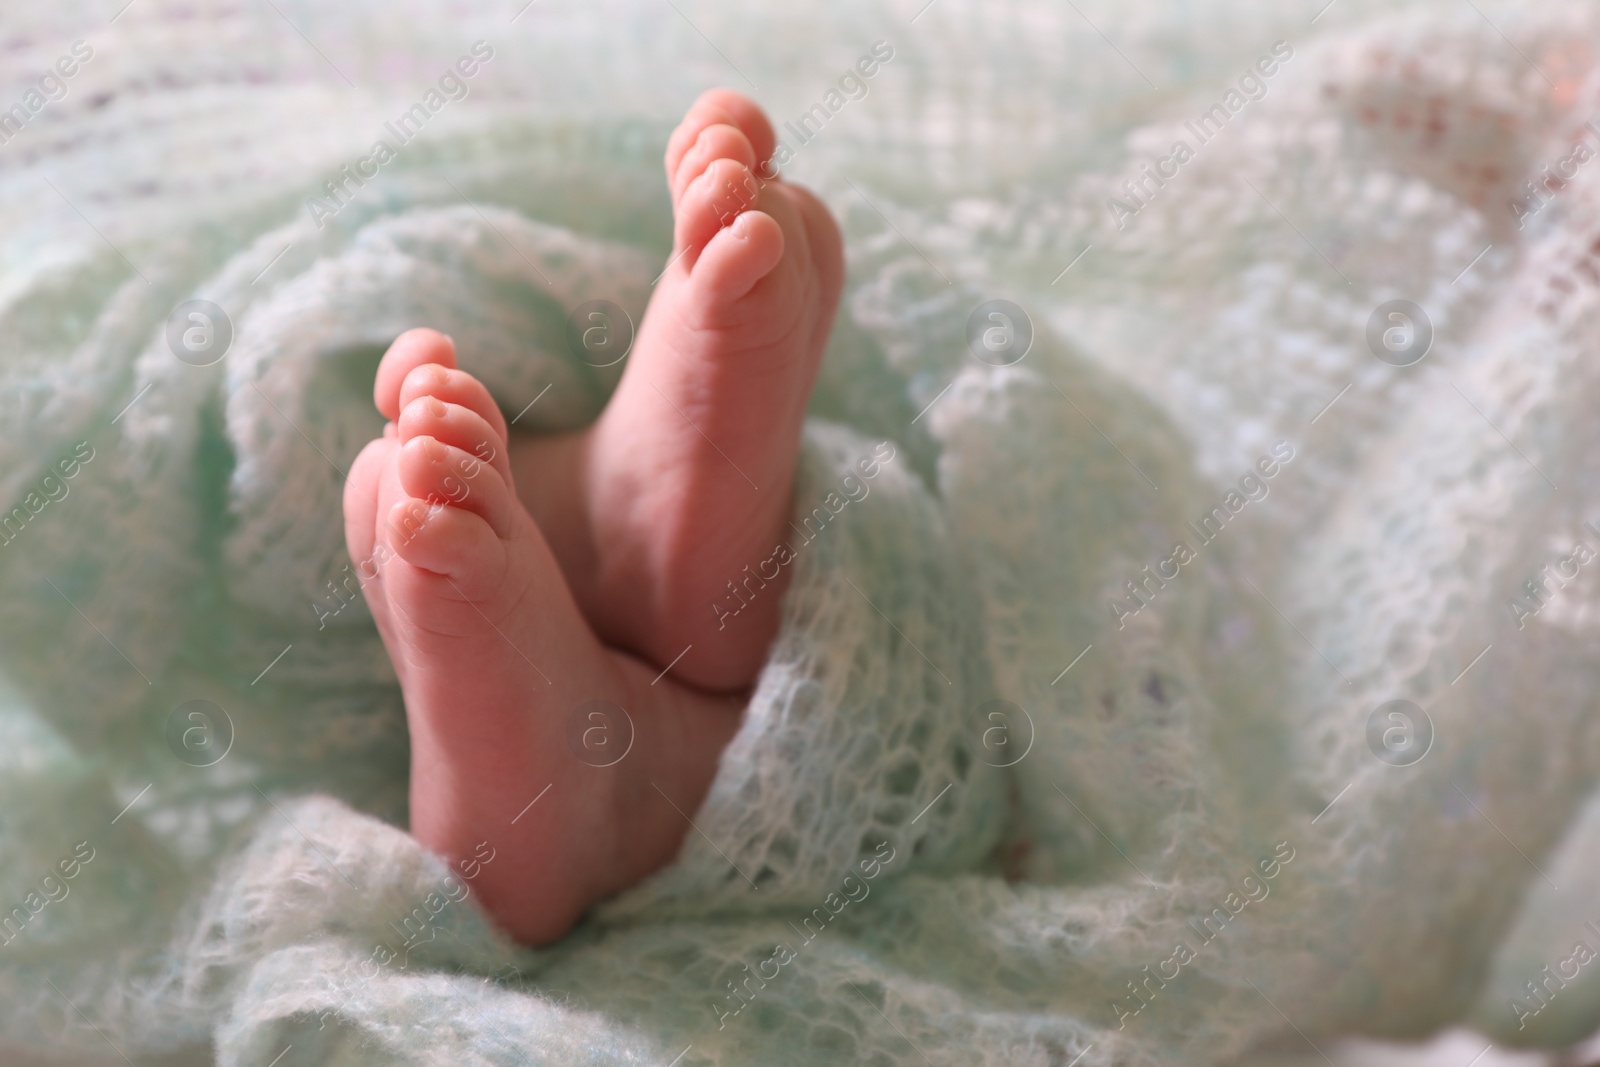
[496,661]
[684,482]
[679,491]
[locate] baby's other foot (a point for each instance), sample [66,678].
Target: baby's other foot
[495,659]
[686,477]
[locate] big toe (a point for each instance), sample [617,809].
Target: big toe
[362,489]
[446,546]
[734,261]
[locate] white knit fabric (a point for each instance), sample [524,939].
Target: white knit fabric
[984,792]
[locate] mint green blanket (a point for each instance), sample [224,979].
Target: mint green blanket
[1079,744]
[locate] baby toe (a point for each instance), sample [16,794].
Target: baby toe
[735,260]
[726,190]
[722,106]
[442,474]
[458,426]
[456,387]
[361,491]
[719,141]
[448,543]
[412,349]
[823,241]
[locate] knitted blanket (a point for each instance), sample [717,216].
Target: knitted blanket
[1210,666]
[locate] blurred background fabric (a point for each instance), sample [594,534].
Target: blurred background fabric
[171,547]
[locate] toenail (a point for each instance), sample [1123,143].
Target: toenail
[435,407]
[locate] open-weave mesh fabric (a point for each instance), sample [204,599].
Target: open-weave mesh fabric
[1028,887]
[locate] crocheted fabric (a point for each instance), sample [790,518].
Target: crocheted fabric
[1078,744]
